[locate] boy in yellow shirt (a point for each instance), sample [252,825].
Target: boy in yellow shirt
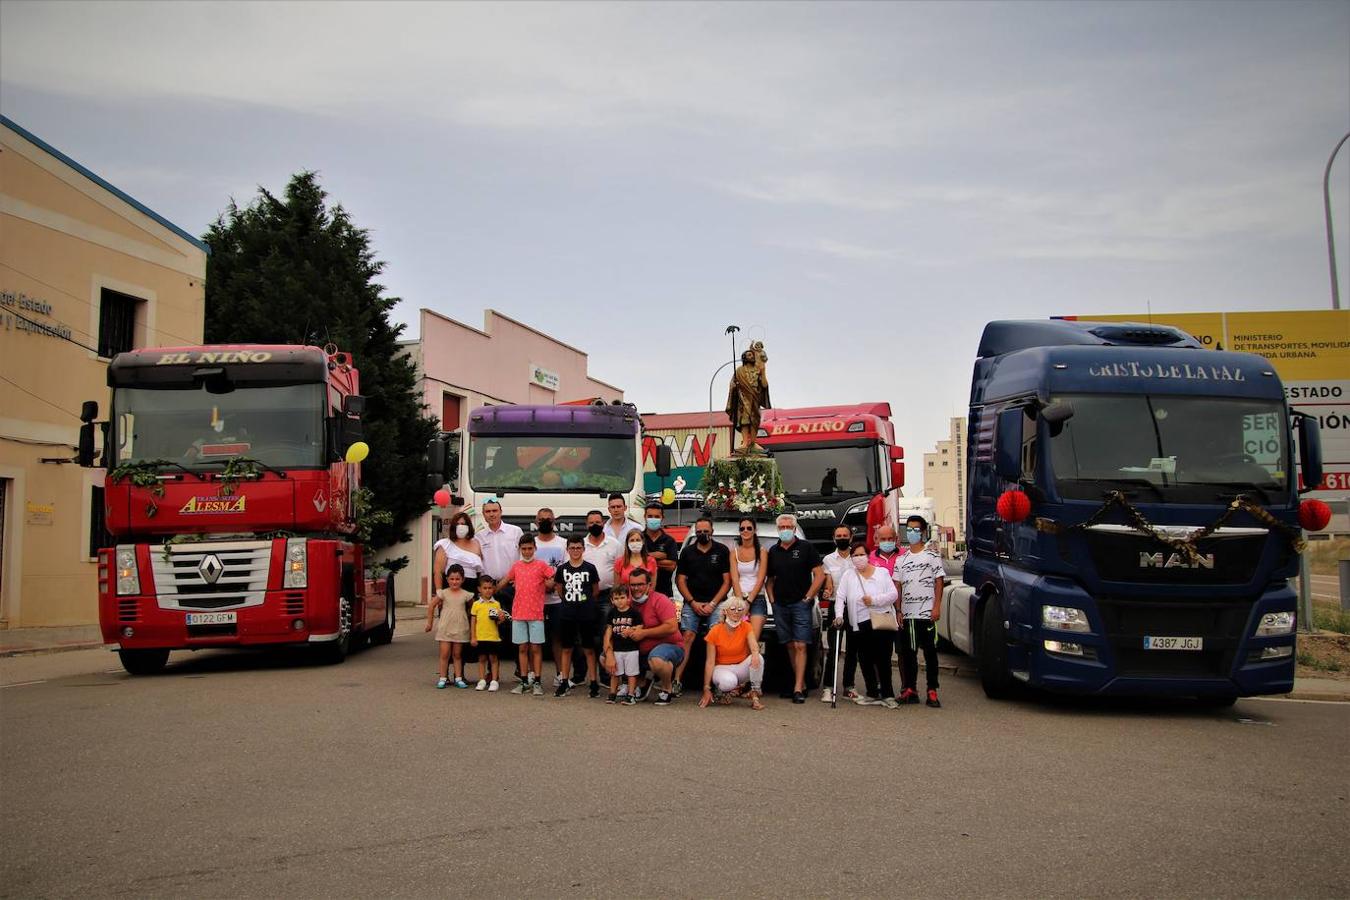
[485,636]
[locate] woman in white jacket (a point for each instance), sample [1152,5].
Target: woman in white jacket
[865,599]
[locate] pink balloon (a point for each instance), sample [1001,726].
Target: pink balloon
[442,497]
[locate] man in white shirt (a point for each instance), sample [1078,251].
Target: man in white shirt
[619,525]
[836,566]
[919,575]
[601,551]
[501,547]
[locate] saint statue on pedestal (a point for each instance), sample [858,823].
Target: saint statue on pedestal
[748,394]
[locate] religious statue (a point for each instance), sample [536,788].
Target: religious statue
[748,394]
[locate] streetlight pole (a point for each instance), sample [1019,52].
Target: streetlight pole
[1331,241]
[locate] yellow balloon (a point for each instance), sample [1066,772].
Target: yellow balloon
[668,496]
[358,451]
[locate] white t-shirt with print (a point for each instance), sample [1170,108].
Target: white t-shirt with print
[916,576]
[553,552]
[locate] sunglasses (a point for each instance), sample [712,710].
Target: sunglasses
[747,528]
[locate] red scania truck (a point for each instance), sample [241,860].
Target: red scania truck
[232,506]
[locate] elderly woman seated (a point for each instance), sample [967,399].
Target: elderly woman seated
[734,660]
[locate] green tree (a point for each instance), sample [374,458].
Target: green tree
[294,270]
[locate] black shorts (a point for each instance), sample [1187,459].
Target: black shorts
[577,632]
[488,648]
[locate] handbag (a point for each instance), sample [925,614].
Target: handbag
[881,621]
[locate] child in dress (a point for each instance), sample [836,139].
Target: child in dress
[487,616]
[452,632]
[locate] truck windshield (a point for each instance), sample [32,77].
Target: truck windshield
[551,464]
[279,425]
[1168,448]
[823,472]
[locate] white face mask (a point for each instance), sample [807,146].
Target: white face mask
[732,623]
[859,562]
[461,531]
[635,548]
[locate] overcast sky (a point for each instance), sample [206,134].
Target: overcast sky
[861,186]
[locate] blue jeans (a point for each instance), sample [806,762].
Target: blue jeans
[692,621]
[671,653]
[792,622]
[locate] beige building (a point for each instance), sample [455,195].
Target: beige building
[944,478]
[85,272]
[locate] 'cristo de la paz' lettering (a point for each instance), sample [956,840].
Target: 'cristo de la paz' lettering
[1179,370]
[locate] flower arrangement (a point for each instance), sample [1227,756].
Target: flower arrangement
[743,485]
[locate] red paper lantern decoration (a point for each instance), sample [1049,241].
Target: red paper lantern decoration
[1013,506]
[442,497]
[1313,515]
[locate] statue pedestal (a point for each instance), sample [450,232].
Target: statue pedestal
[743,486]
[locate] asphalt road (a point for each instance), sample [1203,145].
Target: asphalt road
[249,775]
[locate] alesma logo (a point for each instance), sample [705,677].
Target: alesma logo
[214,505]
[1175,561]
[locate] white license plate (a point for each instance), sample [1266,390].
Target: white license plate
[1174,643]
[213,618]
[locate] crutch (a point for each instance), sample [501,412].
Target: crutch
[834,687]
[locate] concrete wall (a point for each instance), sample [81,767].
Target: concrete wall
[64,237]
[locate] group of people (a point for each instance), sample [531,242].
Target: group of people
[603,599]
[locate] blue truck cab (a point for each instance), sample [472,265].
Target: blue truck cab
[1150,551]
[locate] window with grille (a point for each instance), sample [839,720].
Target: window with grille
[116,322]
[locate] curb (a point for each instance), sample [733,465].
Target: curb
[1322,696]
[8,652]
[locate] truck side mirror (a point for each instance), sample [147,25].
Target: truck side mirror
[1008,444]
[1309,452]
[663,460]
[436,457]
[354,405]
[89,411]
[1056,413]
[897,456]
[85,455]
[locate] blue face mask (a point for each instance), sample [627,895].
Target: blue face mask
[786,535]
[653,524]
[913,535]
[887,546]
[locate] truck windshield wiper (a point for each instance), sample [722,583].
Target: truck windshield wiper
[165,462]
[262,465]
[1144,482]
[1242,488]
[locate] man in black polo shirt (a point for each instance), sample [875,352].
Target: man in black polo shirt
[793,580]
[661,547]
[703,577]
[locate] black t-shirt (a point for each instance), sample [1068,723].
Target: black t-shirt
[577,587]
[790,568]
[623,618]
[704,572]
[671,548]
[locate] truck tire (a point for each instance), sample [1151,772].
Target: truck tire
[385,633]
[995,678]
[143,662]
[336,651]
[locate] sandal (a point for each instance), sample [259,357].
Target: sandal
[754,702]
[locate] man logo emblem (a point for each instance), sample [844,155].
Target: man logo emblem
[210,568]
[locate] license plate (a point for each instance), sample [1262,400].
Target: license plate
[1174,643]
[213,618]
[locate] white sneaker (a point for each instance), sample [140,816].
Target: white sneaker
[492,687]
[481,685]
[826,696]
[623,692]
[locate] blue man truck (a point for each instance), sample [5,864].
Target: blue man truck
[1133,515]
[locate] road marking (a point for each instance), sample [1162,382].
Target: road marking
[23,683]
[1297,700]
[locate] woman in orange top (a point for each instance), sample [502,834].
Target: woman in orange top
[734,659]
[634,556]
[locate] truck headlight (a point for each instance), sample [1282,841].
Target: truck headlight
[297,563]
[856,509]
[1067,648]
[128,573]
[1065,618]
[1275,623]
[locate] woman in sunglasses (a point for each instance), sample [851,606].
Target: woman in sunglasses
[747,581]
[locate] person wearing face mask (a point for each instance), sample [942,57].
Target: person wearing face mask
[836,564]
[552,550]
[734,658]
[601,551]
[864,601]
[888,549]
[659,646]
[462,549]
[703,577]
[793,579]
[634,556]
[661,547]
[920,576]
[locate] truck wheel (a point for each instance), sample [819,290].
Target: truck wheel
[385,633]
[997,681]
[336,651]
[143,662]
